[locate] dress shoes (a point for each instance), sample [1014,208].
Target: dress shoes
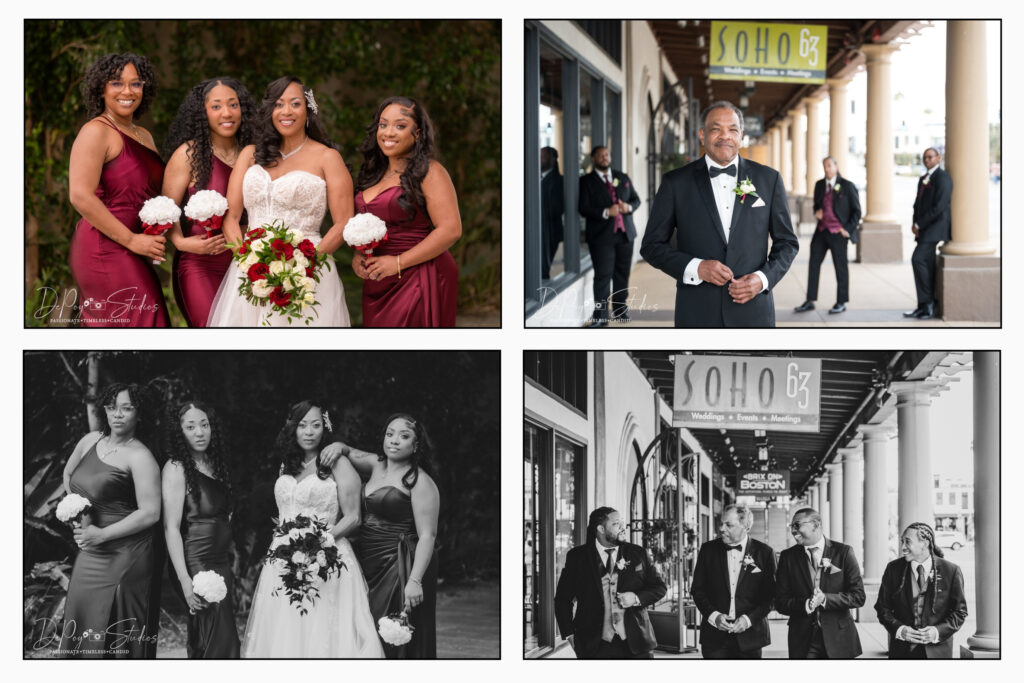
[838,308]
[916,313]
[804,307]
[928,312]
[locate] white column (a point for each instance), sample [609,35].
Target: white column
[799,136]
[812,166]
[838,111]
[823,506]
[853,500]
[916,487]
[835,498]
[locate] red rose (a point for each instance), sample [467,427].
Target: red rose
[244,249]
[256,233]
[307,249]
[309,271]
[258,271]
[279,297]
[282,248]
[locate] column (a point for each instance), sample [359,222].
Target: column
[985,641]
[915,462]
[799,136]
[835,499]
[853,499]
[786,166]
[812,497]
[969,271]
[776,156]
[812,166]
[823,504]
[876,513]
[881,240]
[839,109]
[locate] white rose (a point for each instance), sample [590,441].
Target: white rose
[301,260]
[294,238]
[276,267]
[299,557]
[288,283]
[321,557]
[327,539]
[251,259]
[259,244]
[308,284]
[262,289]
[314,569]
[309,298]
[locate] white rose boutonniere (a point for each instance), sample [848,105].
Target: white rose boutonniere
[836,187]
[749,563]
[744,188]
[827,565]
[623,563]
[927,179]
[615,182]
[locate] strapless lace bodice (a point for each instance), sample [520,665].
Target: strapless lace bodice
[312,496]
[298,198]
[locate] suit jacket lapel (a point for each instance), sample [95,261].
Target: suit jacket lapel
[743,571]
[708,195]
[738,207]
[805,569]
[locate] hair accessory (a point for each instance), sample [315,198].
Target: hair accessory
[327,421]
[311,102]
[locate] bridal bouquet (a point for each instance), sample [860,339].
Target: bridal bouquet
[365,232]
[72,508]
[395,629]
[158,214]
[280,267]
[206,209]
[303,550]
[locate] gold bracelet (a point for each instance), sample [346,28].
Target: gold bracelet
[399,257]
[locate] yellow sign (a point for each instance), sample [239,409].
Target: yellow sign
[783,53]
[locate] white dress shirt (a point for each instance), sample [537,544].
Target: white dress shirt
[735,563]
[725,200]
[914,564]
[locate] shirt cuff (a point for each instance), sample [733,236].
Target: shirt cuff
[714,619]
[901,633]
[807,606]
[604,214]
[690,276]
[764,280]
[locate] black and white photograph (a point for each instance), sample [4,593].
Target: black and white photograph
[831,504]
[265,504]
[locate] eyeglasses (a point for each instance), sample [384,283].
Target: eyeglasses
[133,85]
[126,409]
[795,526]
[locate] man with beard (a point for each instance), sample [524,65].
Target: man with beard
[932,224]
[608,200]
[817,585]
[611,583]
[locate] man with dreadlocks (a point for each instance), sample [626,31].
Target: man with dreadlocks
[612,583]
[921,600]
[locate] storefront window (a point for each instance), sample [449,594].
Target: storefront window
[531,538]
[567,510]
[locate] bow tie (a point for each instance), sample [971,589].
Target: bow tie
[737,548]
[728,170]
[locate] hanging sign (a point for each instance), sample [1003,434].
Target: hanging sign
[781,53]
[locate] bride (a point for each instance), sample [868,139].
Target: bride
[338,624]
[292,173]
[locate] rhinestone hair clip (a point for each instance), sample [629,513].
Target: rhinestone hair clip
[311,101]
[327,415]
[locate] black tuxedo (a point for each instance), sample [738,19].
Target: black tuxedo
[580,583]
[755,590]
[843,588]
[846,207]
[610,251]
[932,217]
[685,205]
[945,607]
[552,208]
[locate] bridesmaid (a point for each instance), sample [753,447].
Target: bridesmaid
[114,587]
[213,124]
[396,542]
[196,484]
[114,169]
[411,280]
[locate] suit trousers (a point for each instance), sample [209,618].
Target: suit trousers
[730,649]
[822,242]
[613,259]
[616,649]
[914,652]
[923,262]
[816,648]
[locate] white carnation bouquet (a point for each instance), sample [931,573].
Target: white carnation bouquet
[158,215]
[206,209]
[365,232]
[72,508]
[395,629]
[210,586]
[305,553]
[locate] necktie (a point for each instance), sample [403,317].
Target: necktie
[922,578]
[620,225]
[609,563]
[815,570]
[728,170]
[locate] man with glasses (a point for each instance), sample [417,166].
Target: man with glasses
[611,583]
[818,583]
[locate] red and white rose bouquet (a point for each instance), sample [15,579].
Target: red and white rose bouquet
[365,232]
[282,268]
[158,214]
[206,209]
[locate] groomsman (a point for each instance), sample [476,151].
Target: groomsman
[611,584]
[932,224]
[733,587]
[817,585]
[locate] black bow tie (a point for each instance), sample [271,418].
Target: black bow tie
[737,548]
[728,170]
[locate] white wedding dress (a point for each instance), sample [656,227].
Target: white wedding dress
[339,623]
[299,199]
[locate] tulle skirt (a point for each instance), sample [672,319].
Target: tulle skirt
[337,625]
[229,309]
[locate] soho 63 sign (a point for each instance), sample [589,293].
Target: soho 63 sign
[747,392]
[784,53]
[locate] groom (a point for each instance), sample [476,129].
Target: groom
[612,583]
[722,209]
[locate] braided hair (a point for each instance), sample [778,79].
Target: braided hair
[423,448]
[927,534]
[177,450]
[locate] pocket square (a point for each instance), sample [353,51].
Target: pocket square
[755,570]
[759,202]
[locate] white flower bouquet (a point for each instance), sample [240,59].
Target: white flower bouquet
[365,232]
[394,629]
[304,559]
[72,508]
[158,214]
[210,586]
[206,209]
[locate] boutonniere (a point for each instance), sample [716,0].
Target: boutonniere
[622,563]
[927,179]
[827,565]
[615,182]
[749,563]
[836,188]
[745,187]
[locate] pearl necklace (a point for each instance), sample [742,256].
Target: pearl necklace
[294,151]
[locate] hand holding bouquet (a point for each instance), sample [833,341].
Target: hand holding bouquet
[158,215]
[72,509]
[304,551]
[395,629]
[206,208]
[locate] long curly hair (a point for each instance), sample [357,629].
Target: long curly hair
[375,163]
[109,67]
[176,448]
[191,127]
[423,448]
[267,139]
[287,447]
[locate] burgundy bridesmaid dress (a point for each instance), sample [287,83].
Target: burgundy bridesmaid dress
[196,277]
[116,287]
[427,293]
